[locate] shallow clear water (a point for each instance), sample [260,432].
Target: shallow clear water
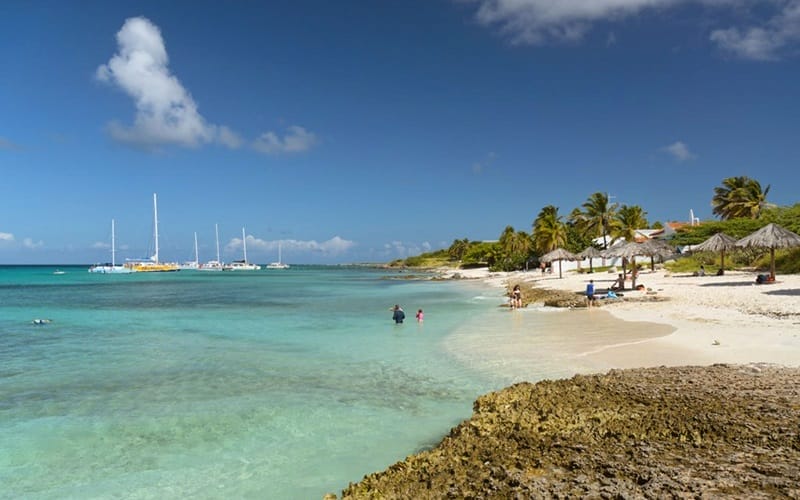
[265,384]
[279,384]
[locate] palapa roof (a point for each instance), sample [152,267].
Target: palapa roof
[558,254]
[716,243]
[626,250]
[590,253]
[652,248]
[770,236]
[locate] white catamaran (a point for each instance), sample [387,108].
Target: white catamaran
[242,265]
[112,267]
[153,265]
[279,264]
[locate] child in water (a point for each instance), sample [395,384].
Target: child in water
[420,316]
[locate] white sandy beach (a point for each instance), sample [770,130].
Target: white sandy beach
[717,319]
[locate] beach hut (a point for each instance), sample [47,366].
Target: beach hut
[558,254]
[771,236]
[590,253]
[720,242]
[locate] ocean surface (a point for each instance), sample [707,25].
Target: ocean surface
[266,384]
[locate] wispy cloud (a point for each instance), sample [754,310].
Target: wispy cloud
[8,240]
[765,42]
[539,22]
[333,246]
[166,113]
[7,144]
[480,166]
[679,151]
[296,140]
[29,243]
[401,249]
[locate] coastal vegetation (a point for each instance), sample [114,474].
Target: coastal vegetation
[739,202]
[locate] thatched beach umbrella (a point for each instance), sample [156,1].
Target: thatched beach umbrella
[628,251]
[720,242]
[771,236]
[558,254]
[656,248]
[590,253]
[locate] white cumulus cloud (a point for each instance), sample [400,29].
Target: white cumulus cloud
[296,140]
[679,151]
[6,238]
[774,25]
[165,111]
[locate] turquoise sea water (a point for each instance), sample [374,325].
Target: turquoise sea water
[265,384]
[270,384]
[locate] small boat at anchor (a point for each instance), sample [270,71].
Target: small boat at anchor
[242,265]
[152,265]
[108,267]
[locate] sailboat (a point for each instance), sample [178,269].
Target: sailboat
[153,265]
[213,265]
[112,267]
[242,265]
[279,264]
[192,265]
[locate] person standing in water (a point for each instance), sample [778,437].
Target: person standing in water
[420,316]
[399,315]
[516,297]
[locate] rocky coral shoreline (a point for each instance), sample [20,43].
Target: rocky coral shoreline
[537,295]
[712,432]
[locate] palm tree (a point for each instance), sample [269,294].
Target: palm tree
[739,197]
[598,216]
[628,219]
[549,231]
[458,249]
[515,246]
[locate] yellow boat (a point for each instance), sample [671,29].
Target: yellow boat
[153,265]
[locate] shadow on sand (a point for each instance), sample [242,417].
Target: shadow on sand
[730,283]
[794,292]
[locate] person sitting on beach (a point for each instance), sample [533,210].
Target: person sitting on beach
[619,284]
[590,298]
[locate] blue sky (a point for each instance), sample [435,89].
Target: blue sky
[366,131]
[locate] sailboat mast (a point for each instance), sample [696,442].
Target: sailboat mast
[113,248]
[244,245]
[155,225]
[196,255]
[216,234]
